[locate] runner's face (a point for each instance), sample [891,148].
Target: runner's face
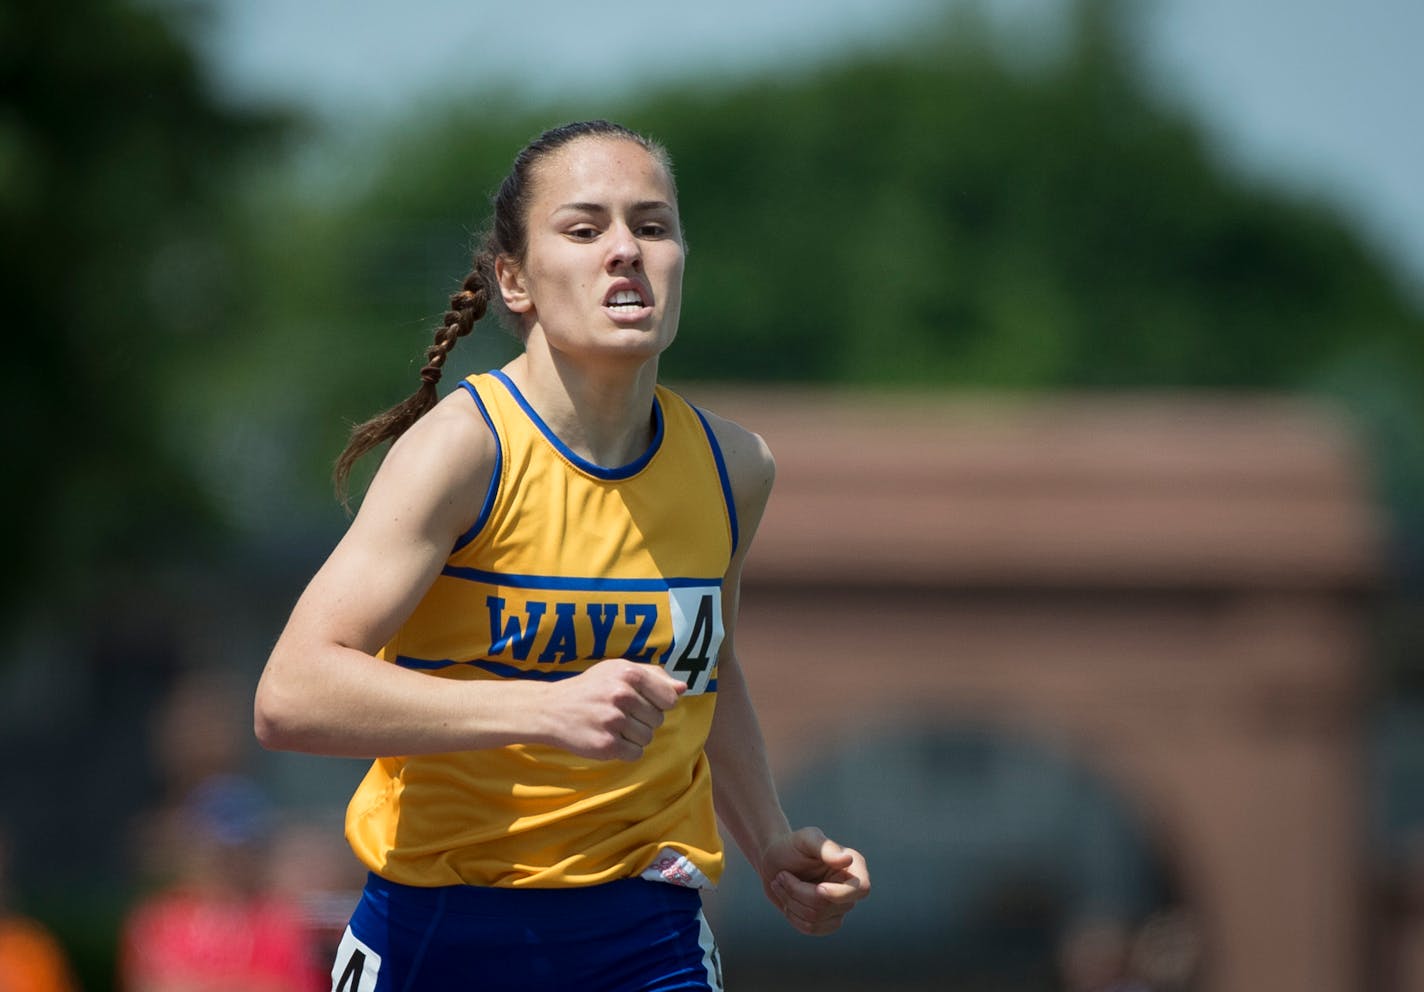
[602,274]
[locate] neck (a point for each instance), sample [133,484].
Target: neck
[603,413]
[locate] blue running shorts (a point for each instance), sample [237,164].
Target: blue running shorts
[631,935]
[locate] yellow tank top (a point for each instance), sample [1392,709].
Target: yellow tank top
[568,563]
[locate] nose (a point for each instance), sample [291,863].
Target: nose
[624,249]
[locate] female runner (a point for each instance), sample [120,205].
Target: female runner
[529,626]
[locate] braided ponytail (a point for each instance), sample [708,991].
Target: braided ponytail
[467,306]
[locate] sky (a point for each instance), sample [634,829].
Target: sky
[1323,96]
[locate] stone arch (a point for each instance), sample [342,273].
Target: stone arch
[996,848]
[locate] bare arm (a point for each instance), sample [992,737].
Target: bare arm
[812,880]
[323,691]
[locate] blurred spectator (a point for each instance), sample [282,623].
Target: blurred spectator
[1093,956]
[1163,954]
[218,926]
[311,866]
[31,960]
[1166,951]
[201,731]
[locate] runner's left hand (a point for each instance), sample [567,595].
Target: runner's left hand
[813,880]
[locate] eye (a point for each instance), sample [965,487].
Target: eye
[582,232]
[650,231]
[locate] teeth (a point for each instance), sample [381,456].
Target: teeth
[626,298]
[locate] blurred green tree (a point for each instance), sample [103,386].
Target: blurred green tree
[115,169]
[935,216]
[939,217]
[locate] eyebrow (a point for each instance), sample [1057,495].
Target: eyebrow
[640,206]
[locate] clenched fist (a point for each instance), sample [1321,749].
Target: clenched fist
[613,709]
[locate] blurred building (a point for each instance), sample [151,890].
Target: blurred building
[1084,678]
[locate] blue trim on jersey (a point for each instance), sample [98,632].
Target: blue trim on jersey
[510,672]
[426,665]
[574,583]
[592,468]
[502,670]
[488,506]
[722,474]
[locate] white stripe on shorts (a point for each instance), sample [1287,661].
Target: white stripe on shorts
[711,957]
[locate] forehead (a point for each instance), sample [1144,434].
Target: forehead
[601,170]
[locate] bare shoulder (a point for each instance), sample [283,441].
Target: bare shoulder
[750,465]
[439,469]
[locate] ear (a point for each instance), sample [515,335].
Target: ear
[511,285]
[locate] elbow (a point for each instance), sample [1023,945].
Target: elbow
[274,717]
[267,729]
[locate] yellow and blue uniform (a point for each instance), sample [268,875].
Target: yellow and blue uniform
[567,564]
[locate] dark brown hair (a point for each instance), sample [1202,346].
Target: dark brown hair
[507,237]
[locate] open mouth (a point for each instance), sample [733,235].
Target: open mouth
[626,301]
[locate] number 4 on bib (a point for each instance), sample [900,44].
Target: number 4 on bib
[697,635]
